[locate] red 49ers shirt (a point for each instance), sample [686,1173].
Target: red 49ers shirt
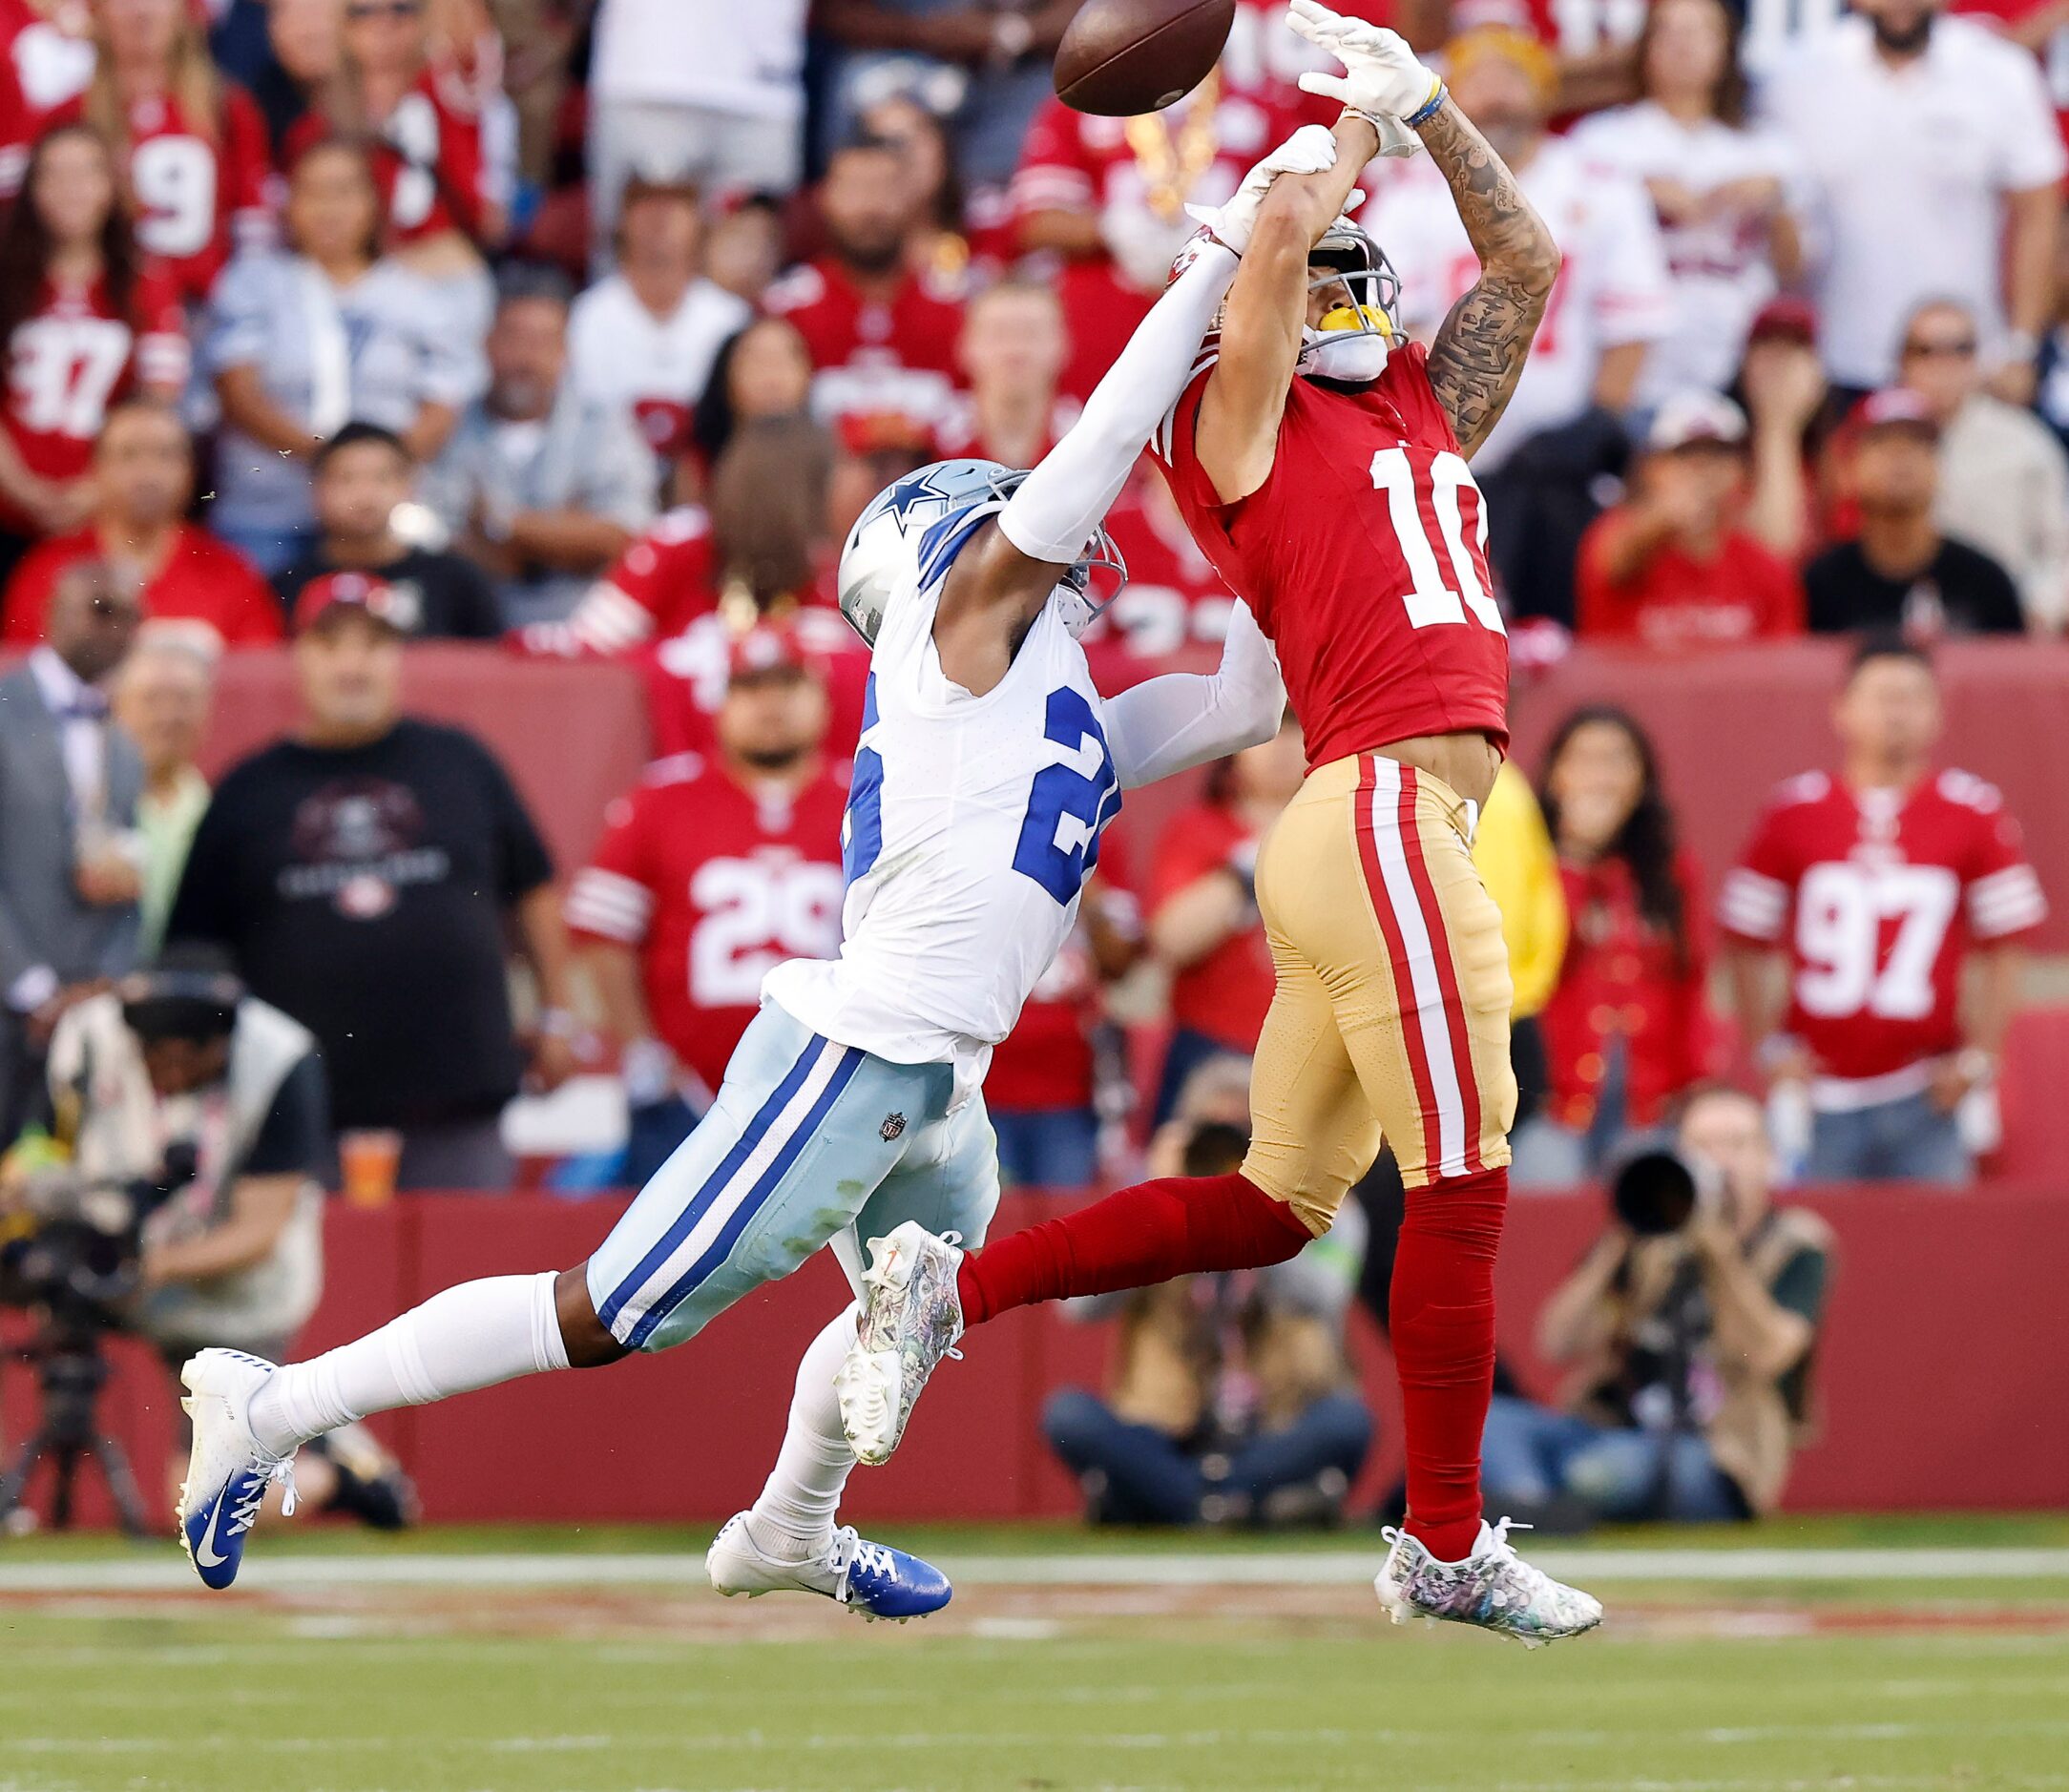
[872,358]
[713,885]
[1876,896]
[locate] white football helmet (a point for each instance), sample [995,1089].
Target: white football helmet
[1361,327]
[939,505]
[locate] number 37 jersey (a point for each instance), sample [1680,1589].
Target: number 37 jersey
[1363,556]
[971,825]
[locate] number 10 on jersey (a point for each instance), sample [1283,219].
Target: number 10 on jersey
[1432,600]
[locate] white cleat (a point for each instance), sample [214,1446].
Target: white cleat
[227,1473]
[871,1580]
[1492,1587]
[910,1319]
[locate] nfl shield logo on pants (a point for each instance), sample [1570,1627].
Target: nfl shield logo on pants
[893,1125]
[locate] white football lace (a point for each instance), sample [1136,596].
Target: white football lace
[245,1512]
[874,1558]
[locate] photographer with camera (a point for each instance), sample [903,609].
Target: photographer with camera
[189,1125]
[1689,1328]
[1233,1398]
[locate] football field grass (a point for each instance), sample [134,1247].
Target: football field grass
[1831,1654]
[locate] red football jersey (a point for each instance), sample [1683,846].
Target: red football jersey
[41,67]
[1224,994]
[428,162]
[1174,598]
[1746,593]
[872,358]
[198,192]
[201,580]
[659,586]
[1364,557]
[714,887]
[68,361]
[687,672]
[1876,896]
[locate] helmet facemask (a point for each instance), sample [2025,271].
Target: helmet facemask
[1361,319]
[1090,585]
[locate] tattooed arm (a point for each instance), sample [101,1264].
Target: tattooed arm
[1479,351]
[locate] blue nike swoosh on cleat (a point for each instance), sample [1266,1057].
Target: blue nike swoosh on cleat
[888,1583]
[217,1556]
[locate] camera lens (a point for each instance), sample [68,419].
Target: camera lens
[1654,1193]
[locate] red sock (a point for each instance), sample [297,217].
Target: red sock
[1443,1322]
[1131,1240]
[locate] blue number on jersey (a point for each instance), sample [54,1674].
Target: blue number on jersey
[1058,790]
[862,835]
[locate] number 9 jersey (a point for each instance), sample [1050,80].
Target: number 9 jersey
[1363,556]
[972,822]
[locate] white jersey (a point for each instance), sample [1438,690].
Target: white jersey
[655,368]
[972,822]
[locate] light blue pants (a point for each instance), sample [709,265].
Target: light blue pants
[1530,1454]
[809,1142]
[1908,1140]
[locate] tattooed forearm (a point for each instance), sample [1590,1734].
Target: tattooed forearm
[1479,351]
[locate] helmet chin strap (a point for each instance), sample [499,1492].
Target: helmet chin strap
[1356,357]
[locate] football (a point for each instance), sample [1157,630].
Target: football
[1120,58]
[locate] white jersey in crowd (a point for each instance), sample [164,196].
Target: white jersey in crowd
[1911,165]
[746,59]
[1720,266]
[971,825]
[620,353]
[1613,288]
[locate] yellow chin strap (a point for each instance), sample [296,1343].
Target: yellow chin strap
[1355,317]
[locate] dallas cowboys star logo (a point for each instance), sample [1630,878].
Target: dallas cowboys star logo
[912,491]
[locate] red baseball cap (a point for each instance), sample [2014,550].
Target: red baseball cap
[1895,408]
[1786,315]
[358,591]
[769,647]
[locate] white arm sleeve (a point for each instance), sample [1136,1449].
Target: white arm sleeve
[1063,501]
[1183,720]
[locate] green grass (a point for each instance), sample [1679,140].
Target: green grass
[638,1688]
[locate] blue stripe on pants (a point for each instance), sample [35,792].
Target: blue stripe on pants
[746,1210]
[715,1183]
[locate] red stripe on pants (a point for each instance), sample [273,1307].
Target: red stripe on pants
[1390,929]
[1440,951]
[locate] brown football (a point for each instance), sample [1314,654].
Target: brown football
[1119,57]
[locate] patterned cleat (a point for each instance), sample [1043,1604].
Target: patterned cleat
[871,1580]
[910,1319]
[1491,1588]
[227,1473]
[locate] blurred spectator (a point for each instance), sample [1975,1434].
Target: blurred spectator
[1910,209]
[1513,852]
[1674,565]
[1050,1075]
[706,879]
[948,224]
[366,875]
[1627,1029]
[882,338]
[1174,597]
[163,700]
[305,45]
[1900,571]
[1013,350]
[1202,906]
[143,483]
[2003,477]
[764,370]
[645,337]
[540,486]
[1872,889]
[713,95]
[191,146]
[987,68]
[1781,384]
[1690,1350]
[1540,465]
[1233,1398]
[540,39]
[419,120]
[82,321]
[362,481]
[311,336]
[744,247]
[47,57]
[1726,194]
[69,783]
[661,584]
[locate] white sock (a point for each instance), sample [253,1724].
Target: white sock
[472,1336]
[794,1516]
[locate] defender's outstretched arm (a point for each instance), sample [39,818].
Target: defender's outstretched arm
[1183,720]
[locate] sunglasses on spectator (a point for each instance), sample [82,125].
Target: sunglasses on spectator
[1962,346]
[362,10]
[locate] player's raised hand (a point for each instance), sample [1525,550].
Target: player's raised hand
[1311,150]
[1380,78]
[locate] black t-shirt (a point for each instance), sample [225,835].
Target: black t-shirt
[440,596]
[1962,592]
[294,1139]
[364,891]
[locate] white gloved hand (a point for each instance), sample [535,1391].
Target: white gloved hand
[1311,150]
[1380,78]
[1141,243]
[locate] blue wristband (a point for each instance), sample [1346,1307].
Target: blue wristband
[1415,119]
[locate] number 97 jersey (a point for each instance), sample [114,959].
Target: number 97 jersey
[1363,556]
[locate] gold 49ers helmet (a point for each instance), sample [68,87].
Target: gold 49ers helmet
[1362,321]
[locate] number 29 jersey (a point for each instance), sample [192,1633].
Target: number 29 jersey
[971,825]
[1363,556]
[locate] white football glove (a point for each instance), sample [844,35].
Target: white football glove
[1380,78]
[1309,151]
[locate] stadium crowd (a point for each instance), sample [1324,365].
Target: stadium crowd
[585,330]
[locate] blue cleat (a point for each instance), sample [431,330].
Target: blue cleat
[871,1580]
[227,1473]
